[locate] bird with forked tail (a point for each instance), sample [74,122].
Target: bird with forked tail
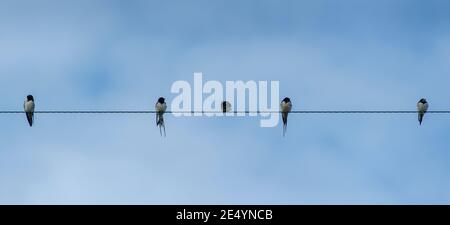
[160,109]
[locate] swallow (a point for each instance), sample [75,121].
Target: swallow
[225,106]
[28,107]
[160,109]
[286,107]
[422,107]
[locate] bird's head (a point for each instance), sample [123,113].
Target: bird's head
[161,100]
[30,98]
[423,101]
[286,100]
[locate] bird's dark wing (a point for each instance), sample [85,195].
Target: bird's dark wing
[30,118]
[284,116]
[421,117]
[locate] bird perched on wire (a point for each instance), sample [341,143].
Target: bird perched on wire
[225,106]
[28,107]
[285,107]
[422,107]
[160,109]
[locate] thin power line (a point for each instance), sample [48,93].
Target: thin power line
[233,112]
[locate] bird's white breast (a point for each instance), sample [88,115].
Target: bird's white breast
[422,107]
[29,106]
[161,107]
[286,107]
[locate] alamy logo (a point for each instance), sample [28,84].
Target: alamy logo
[206,99]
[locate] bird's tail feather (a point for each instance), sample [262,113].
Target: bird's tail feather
[285,116]
[420,118]
[160,123]
[164,129]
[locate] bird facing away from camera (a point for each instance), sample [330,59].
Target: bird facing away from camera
[28,107]
[225,106]
[422,107]
[160,109]
[285,107]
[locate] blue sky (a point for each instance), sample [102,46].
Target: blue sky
[123,55]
